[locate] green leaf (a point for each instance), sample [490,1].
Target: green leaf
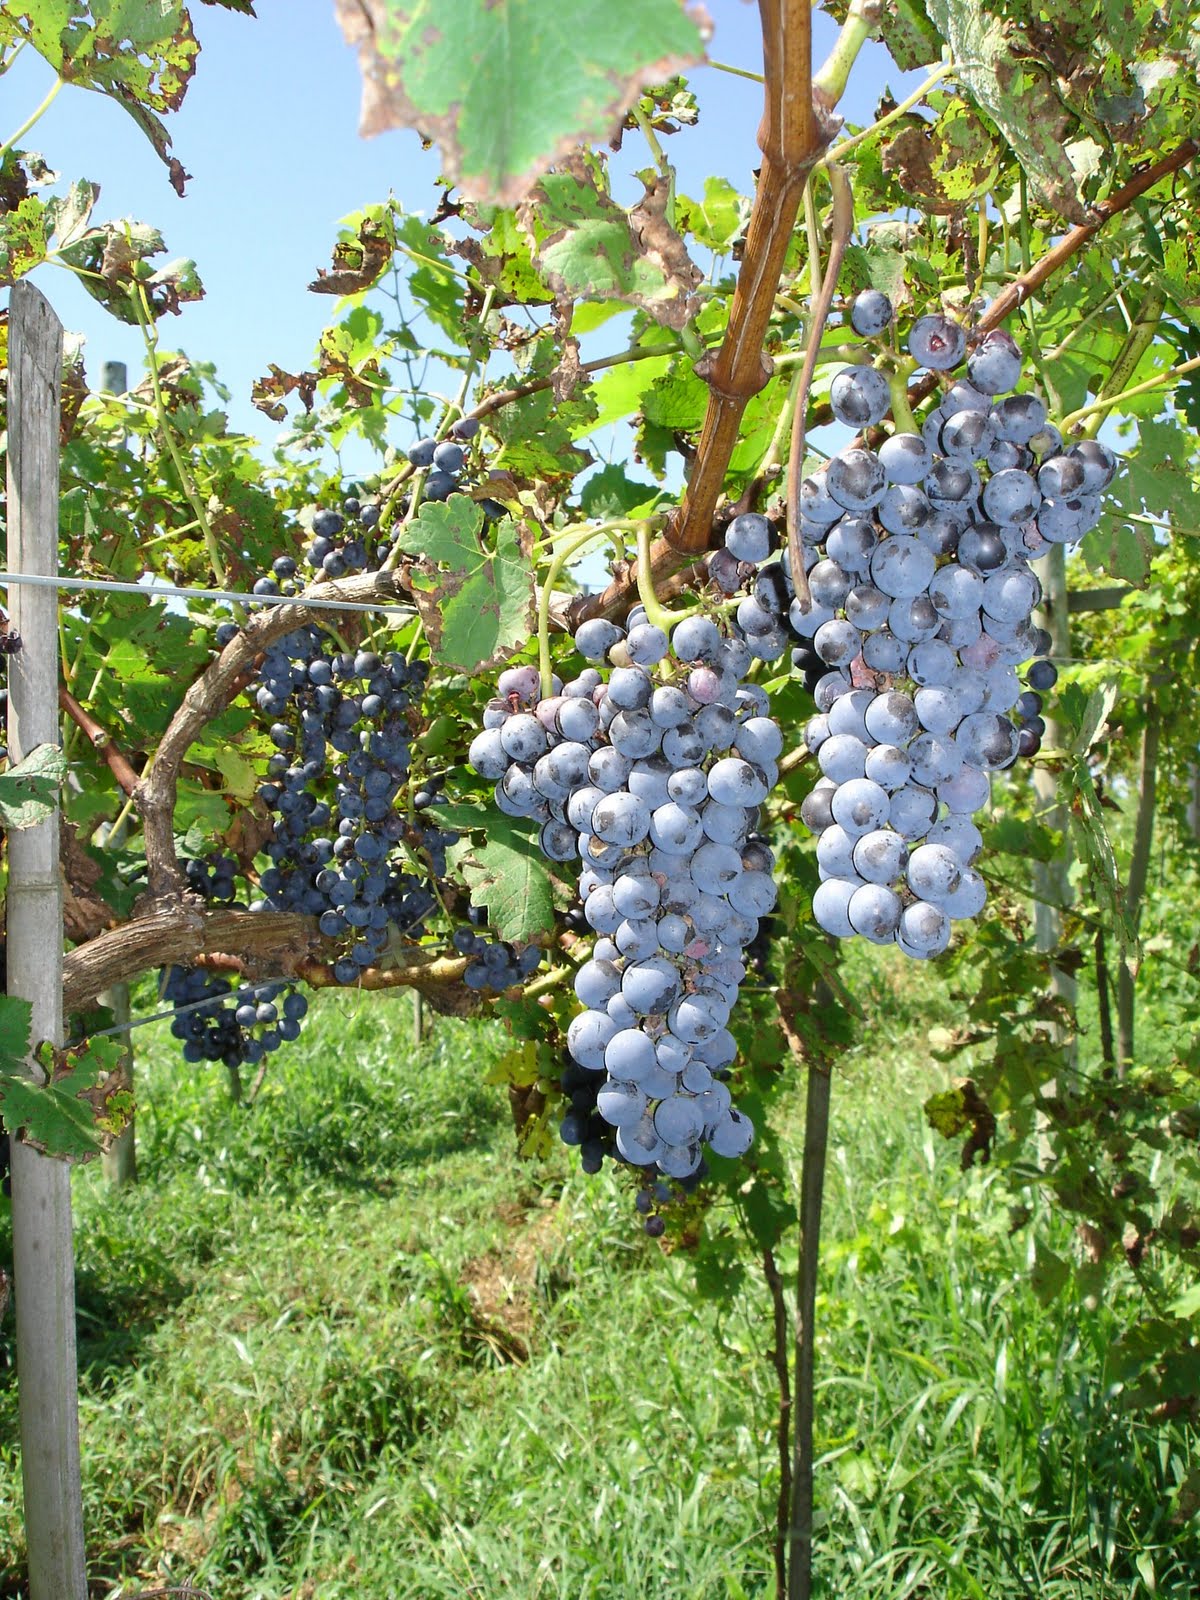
[15,1022]
[507,874]
[1096,713]
[29,791]
[1048,1275]
[609,493]
[504,86]
[58,1117]
[587,247]
[1121,551]
[1017,93]
[1095,846]
[718,219]
[476,602]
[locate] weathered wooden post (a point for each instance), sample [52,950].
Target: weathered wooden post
[43,1241]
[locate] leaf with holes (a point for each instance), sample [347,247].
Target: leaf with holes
[1017,92]
[506,87]
[473,584]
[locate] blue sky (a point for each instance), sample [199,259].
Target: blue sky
[269,132]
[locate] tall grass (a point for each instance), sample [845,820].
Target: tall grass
[343,1345]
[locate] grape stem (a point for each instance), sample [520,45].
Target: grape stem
[141,308]
[842,227]
[898,385]
[568,548]
[862,21]
[656,612]
[35,116]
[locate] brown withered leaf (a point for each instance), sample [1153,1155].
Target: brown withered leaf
[357,264]
[269,393]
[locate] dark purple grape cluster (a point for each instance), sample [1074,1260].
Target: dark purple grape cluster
[10,642]
[361,860]
[495,964]
[344,540]
[444,462]
[214,877]
[240,1024]
[918,612]
[652,776]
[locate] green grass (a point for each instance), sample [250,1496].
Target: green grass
[343,1345]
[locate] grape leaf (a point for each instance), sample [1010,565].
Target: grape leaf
[1017,93]
[142,56]
[506,872]
[610,493]
[15,1021]
[474,589]
[718,219]
[506,87]
[1121,551]
[67,1115]
[24,238]
[588,247]
[29,791]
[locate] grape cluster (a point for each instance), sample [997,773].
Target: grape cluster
[349,859]
[444,462]
[241,1024]
[213,877]
[918,608]
[652,776]
[342,541]
[495,964]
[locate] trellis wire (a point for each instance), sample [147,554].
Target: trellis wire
[170,592]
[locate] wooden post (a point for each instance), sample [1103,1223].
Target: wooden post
[43,1244]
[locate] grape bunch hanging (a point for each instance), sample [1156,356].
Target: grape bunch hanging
[651,775]
[916,606]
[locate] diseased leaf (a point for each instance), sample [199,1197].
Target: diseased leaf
[947,164]
[506,872]
[585,246]
[24,238]
[473,586]
[357,263]
[142,56]
[1017,93]
[506,87]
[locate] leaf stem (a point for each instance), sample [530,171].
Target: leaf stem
[35,116]
[1159,381]
[839,152]
[734,72]
[656,612]
[141,306]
